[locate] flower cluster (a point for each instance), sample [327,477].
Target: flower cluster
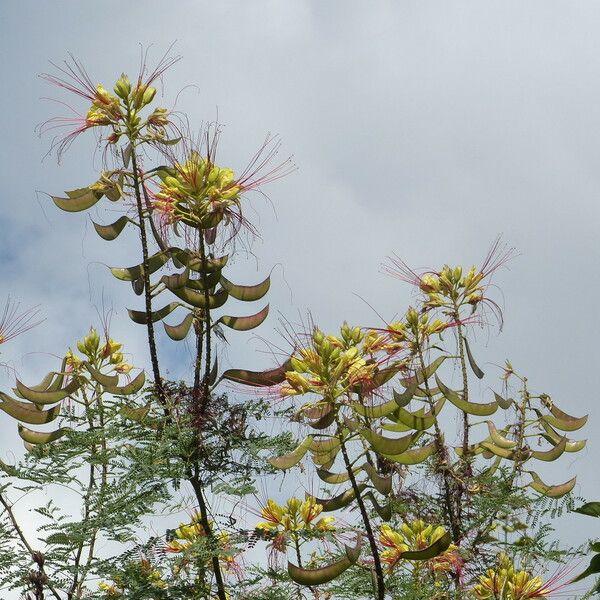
[417,535]
[190,536]
[296,515]
[119,110]
[197,192]
[330,365]
[140,570]
[416,329]
[505,582]
[100,355]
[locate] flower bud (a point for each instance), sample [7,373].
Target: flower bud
[148,96]
[123,87]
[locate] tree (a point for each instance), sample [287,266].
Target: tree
[421,513]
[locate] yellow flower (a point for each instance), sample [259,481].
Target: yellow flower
[310,509]
[273,513]
[325,524]
[417,535]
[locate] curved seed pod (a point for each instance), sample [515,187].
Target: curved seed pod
[212,376]
[382,376]
[553,437]
[478,372]
[403,398]
[591,509]
[474,450]
[27,412]
[503,403]
[324,445]
[137,285]
[472,408]
[314,577]
[44,384]
[141,318]
[198,299]
[101,378]
[422,375]
[420,422]
[385,511]
[287,461]
[396,427]
[498,451]
[38,437]
[492,468]
[135,414]
[384,445]
[414,456]
[553,453]
[111,232]
[432,551]
[133,387]
[325,420]
[179,332]
[375,412]
[498,439]
[176,281]
[571,424]
[382,484]
[212,279]
[258,378]
[60,378]
[325,459]
[551,491]
[194,263]
[47,397]
[427,393]
[341,500]
[515,454]
[77,200]
[246,293]
[566,422]
[245,323]
[155,262]
[335,478]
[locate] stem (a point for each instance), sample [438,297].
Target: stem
[197,366]
[197,487]
[207,327]
[367,523]
[86,509]
[146,275]
[465,378]
[442,453]
[466,470]
[8,508]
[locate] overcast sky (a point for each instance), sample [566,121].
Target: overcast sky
[420,128]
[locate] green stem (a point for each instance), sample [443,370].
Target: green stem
[146,276]
[380,591]
[199,492]
[443,461]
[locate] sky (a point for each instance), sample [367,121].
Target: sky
[424,129]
